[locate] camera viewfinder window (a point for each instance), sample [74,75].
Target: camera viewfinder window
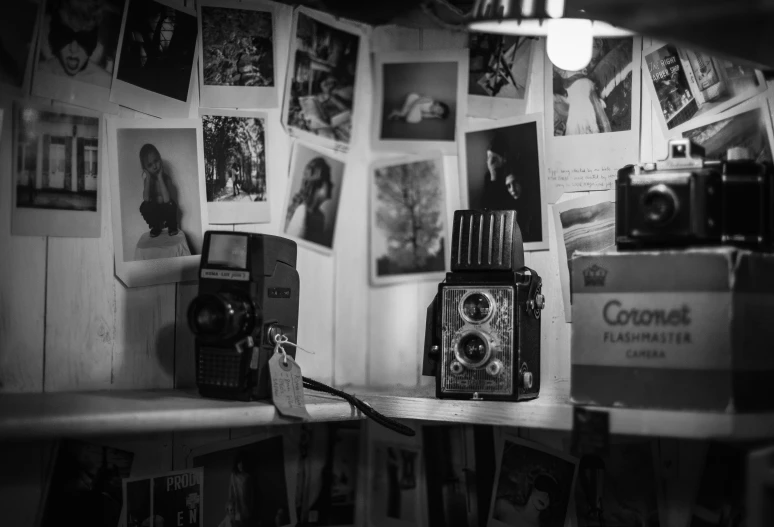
[228,250]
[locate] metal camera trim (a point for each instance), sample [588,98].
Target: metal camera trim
[492,307]
[662,189]
[461,358]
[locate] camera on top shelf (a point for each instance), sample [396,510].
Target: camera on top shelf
[482,338]
[248,294]
[687,200]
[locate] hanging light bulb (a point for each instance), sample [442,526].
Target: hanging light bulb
[570,43]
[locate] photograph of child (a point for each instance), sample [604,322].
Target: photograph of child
[321,78]
[57,166]
[313,196]
[18,21]
[504,168]
[598,98]
[395,485]
[157,54]
[687,84]
[409,231]
[235,166]
[533,485]
[245,484]
[499,73]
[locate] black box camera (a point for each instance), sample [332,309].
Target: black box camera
[248,294]
[482,338]
[687,200]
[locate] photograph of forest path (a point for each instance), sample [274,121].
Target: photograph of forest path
[234,158]
[237,47]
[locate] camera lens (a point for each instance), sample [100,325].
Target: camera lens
[477,307]
[660,204]
[472,349]
[221,316]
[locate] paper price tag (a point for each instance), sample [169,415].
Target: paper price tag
[287,387]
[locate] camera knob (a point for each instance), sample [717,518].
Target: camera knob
[526,380]
[494,368]
[738,153]
[456,368]
[434,352]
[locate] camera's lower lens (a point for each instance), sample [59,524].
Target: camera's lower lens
[473,349]
[221,316]
[660,204]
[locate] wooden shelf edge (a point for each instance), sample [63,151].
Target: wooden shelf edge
[27,416]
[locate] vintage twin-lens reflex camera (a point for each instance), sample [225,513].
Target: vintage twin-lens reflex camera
[248,294]
[686,200]
[482,338]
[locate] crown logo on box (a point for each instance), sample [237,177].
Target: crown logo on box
[595,275]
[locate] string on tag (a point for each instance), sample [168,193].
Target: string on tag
[310,384]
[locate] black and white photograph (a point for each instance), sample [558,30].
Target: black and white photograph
[312,203]
[245,483]
[499,74]
[747,125]
[85,483]
[328,485]
[76,52]
[57,152]
[396,485]
[721,499]
[533,485]
[584,223]
[237,58]
[158,199]
[595,109]
[169,499]
[18,31]
[685,84]
[459,468]
[420,100]
[322,76]
[235,146]
[620,488]
[156,58]
[502,168]
[409,220]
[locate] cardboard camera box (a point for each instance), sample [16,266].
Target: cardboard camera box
[690,329]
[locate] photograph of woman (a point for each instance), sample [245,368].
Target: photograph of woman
[533,485]
[313,200]
[241,490]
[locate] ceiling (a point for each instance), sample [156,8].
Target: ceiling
[737,29]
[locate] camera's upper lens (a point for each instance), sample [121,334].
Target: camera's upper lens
[660,204]
[221,316]
[477,308]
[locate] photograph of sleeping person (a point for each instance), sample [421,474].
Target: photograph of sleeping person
[322,85]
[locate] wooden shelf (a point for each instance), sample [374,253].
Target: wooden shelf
[130,412]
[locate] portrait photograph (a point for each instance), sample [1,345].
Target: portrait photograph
[321,83]
[533,485]
[396,485]
[747,125]
[459,468]
[409,221]
[76,52]
[593,117]
[245,482]
[57,158]
[171,498]
[237,55]
[66,496]
[501,168]
[157,195]
[620,487]
[328,484]
[156,57]
[584,223]
[235,146]
[499,74]
[312,202]
[18,31]
[420,100]
[685,84]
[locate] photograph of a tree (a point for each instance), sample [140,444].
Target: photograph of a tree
[234,158]
[410,215]
[237,47]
